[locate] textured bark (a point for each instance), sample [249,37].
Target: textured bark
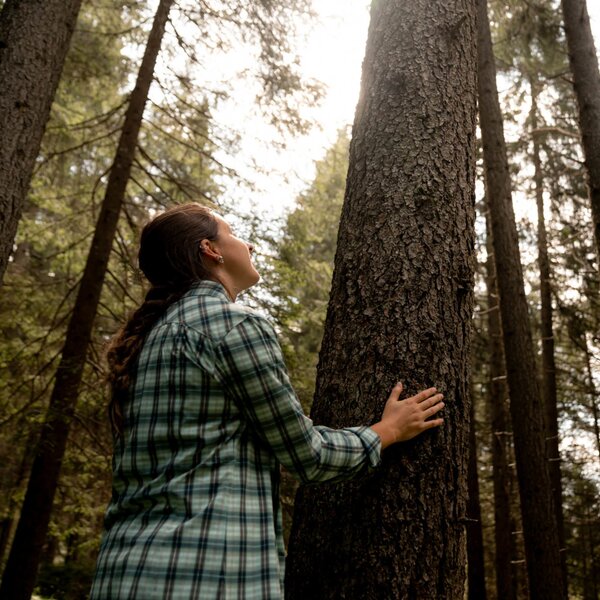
[537,506]
[506,576]
[586,81]
[21,568]
[549,391]
[475,562]
[34,39]
[400,309]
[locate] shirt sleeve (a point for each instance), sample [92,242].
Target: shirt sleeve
[254,372]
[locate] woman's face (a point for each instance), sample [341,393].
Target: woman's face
[236,272]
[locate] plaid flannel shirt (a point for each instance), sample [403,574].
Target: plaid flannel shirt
[195,508]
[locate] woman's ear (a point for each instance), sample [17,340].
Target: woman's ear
[208,249]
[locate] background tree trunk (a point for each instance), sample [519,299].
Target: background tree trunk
[586,81]
[505,556]
[549,390]
[475,554]
[403,282]
[34,39]
[593,394]
[537,506]
[21,568]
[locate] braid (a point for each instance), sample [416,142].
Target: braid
[126,346]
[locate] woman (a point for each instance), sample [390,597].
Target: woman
[203,414]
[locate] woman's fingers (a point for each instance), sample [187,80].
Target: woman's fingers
[425,394]
[432,401]
[433,409]
[431,424]
[396,391]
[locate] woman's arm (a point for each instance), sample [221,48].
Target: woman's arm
[252,369]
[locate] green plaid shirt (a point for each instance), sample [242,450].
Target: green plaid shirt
[195,509]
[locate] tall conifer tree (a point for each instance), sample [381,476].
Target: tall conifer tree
[400,308]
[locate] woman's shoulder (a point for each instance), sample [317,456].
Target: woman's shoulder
[217,318]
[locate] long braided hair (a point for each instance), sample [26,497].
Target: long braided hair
[170,257]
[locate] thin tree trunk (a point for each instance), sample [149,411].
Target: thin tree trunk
[593,394]
[586,81]
[506,580]
[400,308]
[538,515]
[592,520]
[34,40]
[475,562]
[549,393]
[23,561]
[584,557]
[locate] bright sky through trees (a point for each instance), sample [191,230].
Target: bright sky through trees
[332,52]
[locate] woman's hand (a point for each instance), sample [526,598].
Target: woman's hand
[404,419]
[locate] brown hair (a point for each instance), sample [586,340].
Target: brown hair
[171,258]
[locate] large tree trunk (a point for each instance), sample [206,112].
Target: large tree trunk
[400,308]
[549,392]
[505,557]
[586,80]
[34,39]
[475,557]
[23,561]
[537,506]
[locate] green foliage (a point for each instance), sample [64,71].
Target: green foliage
[66,582]
[582,519]
[304,267]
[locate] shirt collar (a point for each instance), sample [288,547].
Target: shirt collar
[208,287]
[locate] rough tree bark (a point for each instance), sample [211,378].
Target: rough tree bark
[400,309]
[475,557]
[538,515]
[506,576]
[34,39]
[549,390]
[586,81]
[21,568]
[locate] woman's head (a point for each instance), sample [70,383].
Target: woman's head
[170,246]
[189,243]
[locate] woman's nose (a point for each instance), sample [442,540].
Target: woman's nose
[250,247]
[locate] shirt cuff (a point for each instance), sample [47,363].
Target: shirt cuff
[371,443]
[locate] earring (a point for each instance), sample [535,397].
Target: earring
[220,260]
